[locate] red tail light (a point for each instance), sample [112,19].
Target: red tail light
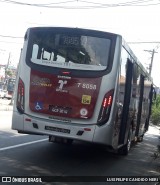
[105,108]
[107,101]
[20,96]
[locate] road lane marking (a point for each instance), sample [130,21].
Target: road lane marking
[23,144]
[18,135]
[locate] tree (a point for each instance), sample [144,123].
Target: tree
[156,121]
[9,73]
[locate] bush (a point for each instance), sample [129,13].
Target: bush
[156,111]
[155,116]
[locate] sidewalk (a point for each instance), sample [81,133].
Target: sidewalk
[5,105]
[156,127]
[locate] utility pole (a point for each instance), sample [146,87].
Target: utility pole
[152,57]
[6,68]
[150,69]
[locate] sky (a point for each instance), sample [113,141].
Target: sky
[138,21]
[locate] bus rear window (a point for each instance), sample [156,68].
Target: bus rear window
[69,51]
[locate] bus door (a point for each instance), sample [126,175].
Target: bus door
[140,105]
[152,96]
[150,107]
[127,85]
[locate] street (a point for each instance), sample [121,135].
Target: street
[27,155]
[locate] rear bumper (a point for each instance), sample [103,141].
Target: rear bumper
[38,126]
[33,125]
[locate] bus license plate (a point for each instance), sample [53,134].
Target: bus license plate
[56,129]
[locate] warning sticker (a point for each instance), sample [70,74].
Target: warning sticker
[86,99]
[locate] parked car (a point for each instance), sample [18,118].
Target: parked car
[2,93]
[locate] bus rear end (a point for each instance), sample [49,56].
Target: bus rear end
[66,84]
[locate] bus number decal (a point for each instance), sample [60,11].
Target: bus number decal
[86,99]
[87,86]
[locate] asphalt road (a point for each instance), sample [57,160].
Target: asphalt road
[27,155]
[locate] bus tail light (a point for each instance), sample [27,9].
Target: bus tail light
[105,108]
[20,96]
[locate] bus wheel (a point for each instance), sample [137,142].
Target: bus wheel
[69,141]
[140,138]
[60,140]
[124,150]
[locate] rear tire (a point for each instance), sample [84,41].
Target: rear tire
[124,150]
[140,138]
[60,140]
[69,141]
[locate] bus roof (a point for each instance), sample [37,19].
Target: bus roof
[74,29]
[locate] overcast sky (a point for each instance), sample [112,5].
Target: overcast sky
[137,22]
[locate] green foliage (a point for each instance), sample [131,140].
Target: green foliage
[156,111]
[9,73]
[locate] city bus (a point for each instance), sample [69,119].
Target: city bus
[81,84]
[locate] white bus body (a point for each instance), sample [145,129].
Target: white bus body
[79,84]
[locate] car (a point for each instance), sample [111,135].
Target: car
[2,93]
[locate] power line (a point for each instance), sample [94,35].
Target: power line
[91,5]
[131,42]
[13,37]
[119,4]
[10,42]
[38,5]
